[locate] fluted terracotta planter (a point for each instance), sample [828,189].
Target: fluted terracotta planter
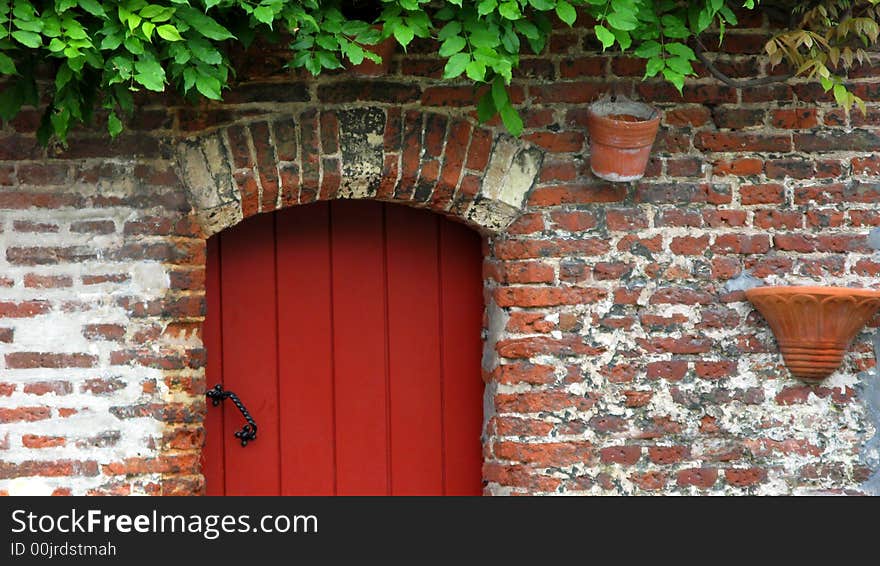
[621,135]
[814,326]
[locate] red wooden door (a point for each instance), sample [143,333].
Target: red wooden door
[351,331]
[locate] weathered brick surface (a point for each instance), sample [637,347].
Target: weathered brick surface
[619,362]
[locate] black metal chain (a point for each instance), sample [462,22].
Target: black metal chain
[249,431]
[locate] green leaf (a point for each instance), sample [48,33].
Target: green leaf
[168,33]
[566,12]
[486,7]
[355,53]
[151,11]
[28,38]
[604,36]
[403,34]
[203,24]
[7,65]
[11,99]
[676,78]
[114,125]
[511,119]
[452,46]
[622,21]
[209,86]
[147,28]
[206,52]
[456,65]
[450,29]
[654,66]
[647,49]
[542,5]
[93,7]
[265,15]
[476,71]
[486,108]
[528,29]
[680,50]
[510,10]
[499,93]
[150,74]
[679,65]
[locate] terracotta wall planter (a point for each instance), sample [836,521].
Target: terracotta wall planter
[621,135]
[814,326]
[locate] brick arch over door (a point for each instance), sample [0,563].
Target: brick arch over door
[423,160]
[427,160]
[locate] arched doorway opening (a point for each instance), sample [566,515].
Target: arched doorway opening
[350,330]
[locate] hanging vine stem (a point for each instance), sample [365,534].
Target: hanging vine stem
[700,51]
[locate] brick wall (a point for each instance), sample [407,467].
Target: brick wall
[618,361]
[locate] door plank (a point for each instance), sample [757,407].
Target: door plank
[249,354]
[305,351]
[414,352]
[359,345]
[212,453]
[462,313]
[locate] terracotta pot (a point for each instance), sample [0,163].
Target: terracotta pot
[621,136]
[814,326]
[385,50]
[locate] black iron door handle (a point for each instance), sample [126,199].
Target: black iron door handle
[249,431]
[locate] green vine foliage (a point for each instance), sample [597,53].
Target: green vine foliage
[101,52]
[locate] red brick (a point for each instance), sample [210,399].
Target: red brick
[679,218]
[687,116]
[794,243]
[745,477]
[525,372]
[545,454]
[527,224]
[573,221]
[768,193]
[625,455]
[26,414]
[546,296]
[715,370]
[702,478]
[725,218]
[637,398]
[34,281]
[24,309]
[582,66]
[794,118]
[24,360]
[528,323]
[649,481]
[738,141]
[684,345]
[742,166]
[34,227]
[113,332]
[36,441]
[557,142]
[46,387]
[674,370]
[772,218]
[538,401]
[519,476]
[54,468]
[576,194]
[665,455]
[741,244]
[689,245]
[625,219]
